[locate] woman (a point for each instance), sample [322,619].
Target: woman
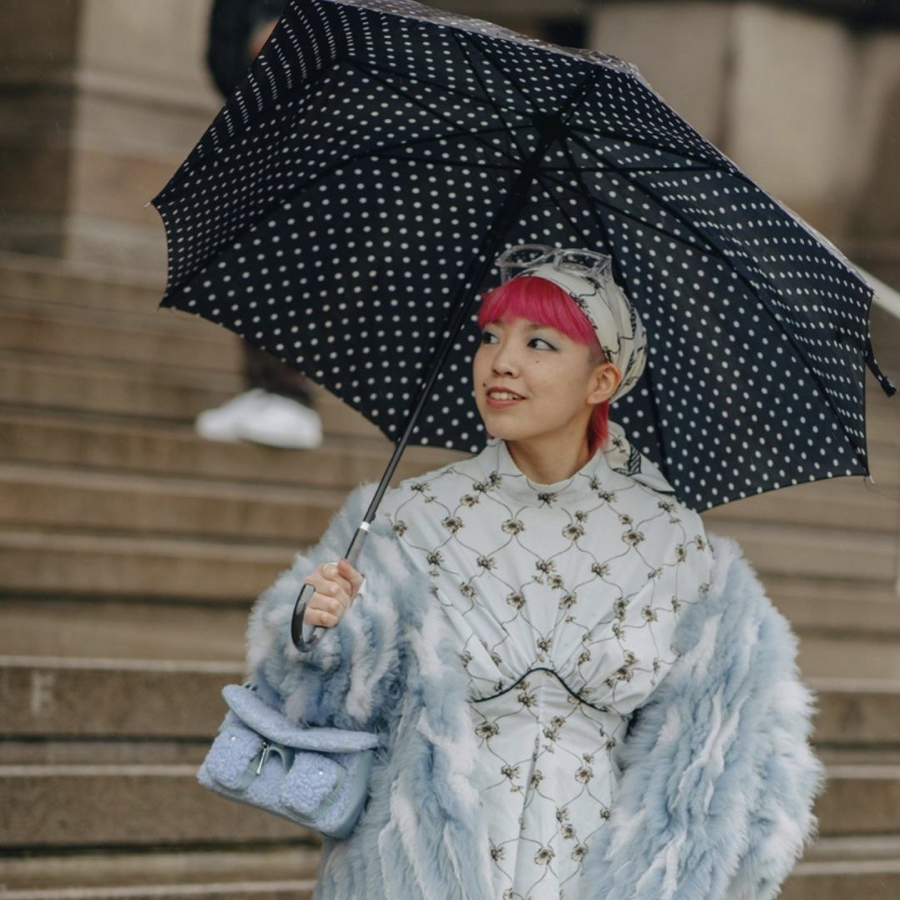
[582,695]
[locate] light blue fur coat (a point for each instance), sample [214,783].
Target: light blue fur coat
[718,777]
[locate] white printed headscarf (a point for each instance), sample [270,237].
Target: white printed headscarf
[587,277]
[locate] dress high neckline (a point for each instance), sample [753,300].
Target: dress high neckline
[498,465]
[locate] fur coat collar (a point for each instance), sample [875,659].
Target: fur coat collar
[718,777]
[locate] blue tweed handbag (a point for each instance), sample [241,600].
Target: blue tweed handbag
[316,777]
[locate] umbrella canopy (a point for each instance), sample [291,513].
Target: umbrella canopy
[344,208]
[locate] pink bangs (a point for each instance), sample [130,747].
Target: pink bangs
[539,300]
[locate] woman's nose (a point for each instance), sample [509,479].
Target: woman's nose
[504,362]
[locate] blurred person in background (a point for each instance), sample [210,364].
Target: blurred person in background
[277,408]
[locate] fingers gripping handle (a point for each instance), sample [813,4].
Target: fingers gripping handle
[305,636]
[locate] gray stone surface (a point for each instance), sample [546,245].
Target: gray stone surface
[102,108]
[682,49]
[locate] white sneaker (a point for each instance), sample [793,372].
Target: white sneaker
[280,422]
[221,423]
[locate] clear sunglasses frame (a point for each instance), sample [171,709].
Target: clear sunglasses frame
[586,263]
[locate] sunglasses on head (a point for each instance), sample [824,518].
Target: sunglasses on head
[576,261]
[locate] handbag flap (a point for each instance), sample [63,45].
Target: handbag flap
[251,709]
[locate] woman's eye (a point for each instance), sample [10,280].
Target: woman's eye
[538,340]
[487,337]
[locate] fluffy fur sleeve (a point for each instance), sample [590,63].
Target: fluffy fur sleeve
[715,800]
[354,673]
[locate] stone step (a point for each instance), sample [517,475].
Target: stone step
[261,874]
[126,387]
[161,337]
[59,497]
[827,606]
[111,443]
[179,630]
[857,711]
[822,552]
[262,889]
[56,497]
[114,698]
[107,564]
[854,848]
[872,879]
[843,656]
[40,278]
[68,384]
[36,382]
[57,697]
[848,503]
[847,868]
[860,799]
[68,805]
[98,565]
[128,629]
[166,337]
[114,444]
[279,871]
[877,879]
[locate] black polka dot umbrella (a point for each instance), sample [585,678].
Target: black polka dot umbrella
[344,208]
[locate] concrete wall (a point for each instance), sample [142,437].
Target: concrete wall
[807,104]
[100,100]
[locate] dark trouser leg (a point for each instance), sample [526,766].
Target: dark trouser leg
[262,370]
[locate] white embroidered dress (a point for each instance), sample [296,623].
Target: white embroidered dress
[563,598]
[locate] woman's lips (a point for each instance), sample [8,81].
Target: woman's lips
[502,399]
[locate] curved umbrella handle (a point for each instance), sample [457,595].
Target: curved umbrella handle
[305,636]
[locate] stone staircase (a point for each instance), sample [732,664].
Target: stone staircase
[130,551]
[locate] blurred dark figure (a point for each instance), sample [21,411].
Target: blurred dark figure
[277,407]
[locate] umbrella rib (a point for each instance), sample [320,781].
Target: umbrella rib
[431,138]
[581,130]
[463,164]
[474,70]
[667,207]
[620,278]
[643,169]
[572,223]
[505,75]
[636,219]
[373,67]
[811,371]
[441,115]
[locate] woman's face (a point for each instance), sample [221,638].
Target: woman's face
[532,381]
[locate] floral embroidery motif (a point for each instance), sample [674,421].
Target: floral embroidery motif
[516,599]
[452,524]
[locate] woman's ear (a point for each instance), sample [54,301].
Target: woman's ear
[604,380]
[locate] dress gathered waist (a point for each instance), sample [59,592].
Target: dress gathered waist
[603,708]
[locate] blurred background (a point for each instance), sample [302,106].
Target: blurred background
[131,547]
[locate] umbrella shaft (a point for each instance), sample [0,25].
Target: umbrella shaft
[551,130]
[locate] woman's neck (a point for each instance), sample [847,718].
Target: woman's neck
[549,461]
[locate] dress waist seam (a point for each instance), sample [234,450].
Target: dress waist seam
[521,678]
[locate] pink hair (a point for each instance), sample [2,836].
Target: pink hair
[539,300]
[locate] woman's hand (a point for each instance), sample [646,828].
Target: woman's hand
[336,587]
